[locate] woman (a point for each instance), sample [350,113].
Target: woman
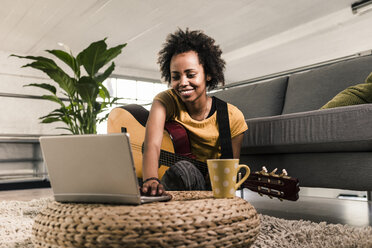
[191,63]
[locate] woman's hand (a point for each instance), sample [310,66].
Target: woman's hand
[153,188]
[152,144]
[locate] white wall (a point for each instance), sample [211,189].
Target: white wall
[20,115]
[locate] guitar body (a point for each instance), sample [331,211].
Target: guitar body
[133,119]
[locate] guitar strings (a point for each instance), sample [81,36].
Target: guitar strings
[169,158]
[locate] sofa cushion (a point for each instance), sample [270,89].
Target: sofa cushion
[257,99]
[311,90]
[353,95]
[330,130]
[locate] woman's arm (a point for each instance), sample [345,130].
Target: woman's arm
[152,145]
[237,144]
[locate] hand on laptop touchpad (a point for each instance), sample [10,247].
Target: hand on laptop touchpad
[159,198]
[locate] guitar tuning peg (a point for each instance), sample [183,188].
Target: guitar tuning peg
[284,173]
[264,170]
[273,172]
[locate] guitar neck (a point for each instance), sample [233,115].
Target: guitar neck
[282,187]
[169,159]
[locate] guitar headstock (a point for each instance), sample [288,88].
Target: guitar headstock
[274,185]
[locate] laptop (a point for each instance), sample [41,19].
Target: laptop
[93,169]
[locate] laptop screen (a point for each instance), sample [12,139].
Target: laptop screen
[91,168]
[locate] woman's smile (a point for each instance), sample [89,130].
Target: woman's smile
[186,92]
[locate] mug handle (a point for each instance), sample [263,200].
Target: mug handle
[247,172]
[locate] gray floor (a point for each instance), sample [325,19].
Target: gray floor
[25,195]
[316,209]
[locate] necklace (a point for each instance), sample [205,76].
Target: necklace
[206,112]
[202,116]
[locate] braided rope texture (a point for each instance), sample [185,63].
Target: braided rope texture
[190,219]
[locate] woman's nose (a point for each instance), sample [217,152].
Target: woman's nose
[184,80]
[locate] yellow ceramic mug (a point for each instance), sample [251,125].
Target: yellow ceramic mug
[222,173]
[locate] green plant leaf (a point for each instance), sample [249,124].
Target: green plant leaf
[91,57]
[40,63]
[68,59]
[113,52]
[104,92]
[115,99]
[39,58]
[52,115]
[50,120]
[49,67]
[58,112]
[65,119]
[48,87]
[103,106]
[62,110]
[97,107]
[96,56]
[53,98]
[103,118]
[87,89]
[102,77]
[58,75]
[68,129]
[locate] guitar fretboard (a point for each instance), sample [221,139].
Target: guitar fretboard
[169,159]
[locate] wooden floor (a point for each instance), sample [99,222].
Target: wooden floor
[316,209]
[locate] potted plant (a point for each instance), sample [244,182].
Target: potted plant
[79,111]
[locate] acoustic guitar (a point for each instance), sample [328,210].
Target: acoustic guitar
[175,146]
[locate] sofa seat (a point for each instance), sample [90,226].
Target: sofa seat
[344,129]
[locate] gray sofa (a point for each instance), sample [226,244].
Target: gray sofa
[330,148]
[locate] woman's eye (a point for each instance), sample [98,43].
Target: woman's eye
[175,77]
[191,75]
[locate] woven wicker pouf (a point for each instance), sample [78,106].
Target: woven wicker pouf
[190,219]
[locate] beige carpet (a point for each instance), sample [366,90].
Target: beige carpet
[16,219]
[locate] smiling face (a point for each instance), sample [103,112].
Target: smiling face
[187,77]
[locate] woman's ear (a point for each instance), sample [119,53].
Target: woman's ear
[209,78]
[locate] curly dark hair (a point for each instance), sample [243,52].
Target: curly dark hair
[209,54]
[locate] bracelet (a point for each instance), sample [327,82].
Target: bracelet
[152,178]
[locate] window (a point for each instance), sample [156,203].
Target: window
[131,91]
